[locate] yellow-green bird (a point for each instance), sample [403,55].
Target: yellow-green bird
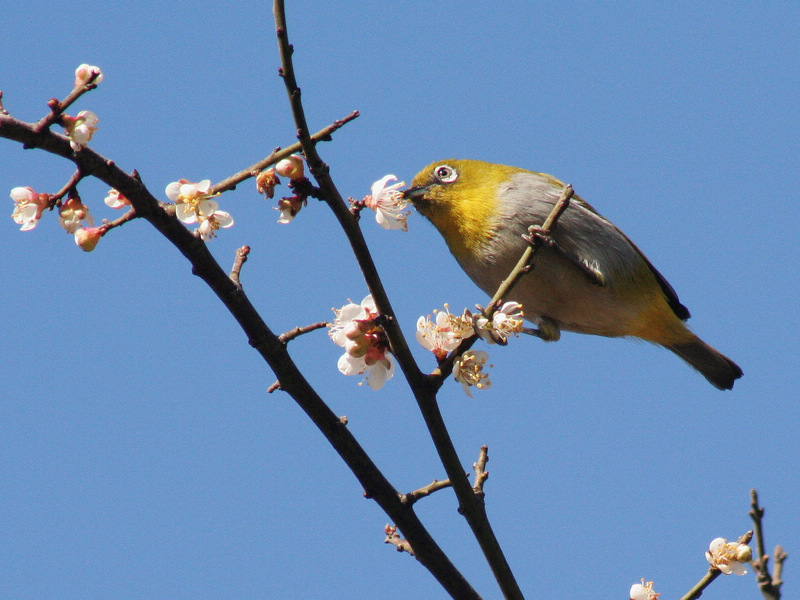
[592,280]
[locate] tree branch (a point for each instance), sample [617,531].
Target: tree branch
[265,342]
[769,585]
[423,387]
[323,135]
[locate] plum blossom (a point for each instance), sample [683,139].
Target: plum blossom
[80,129]
[187,194]
[211,219]
[506,321]
[85,72]
[643,591]
[729,557]
[116,200]
[266,182]
[28,207]
[445,333]
[193,205]
[468,370]
[73,214]
[355,329]
[388,203]
[289,208]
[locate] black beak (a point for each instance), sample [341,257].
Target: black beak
[415,193]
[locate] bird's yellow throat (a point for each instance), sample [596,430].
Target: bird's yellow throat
[464,213]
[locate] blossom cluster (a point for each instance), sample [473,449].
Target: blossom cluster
[194,205]
[73,216]
[356,328]
[443,334]
[267,180]
[80,129]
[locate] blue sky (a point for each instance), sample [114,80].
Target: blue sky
[139,452]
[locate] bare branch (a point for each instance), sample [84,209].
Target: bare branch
[57,107]
[274,353]
[238,262]
[427,490]
[288,336]
[392,537]
[323,135]
[429,554]
[769,585]
[701,585]
[479,467]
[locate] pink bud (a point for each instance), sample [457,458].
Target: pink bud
[87,237]
[291,167]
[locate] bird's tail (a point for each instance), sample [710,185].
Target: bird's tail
[720,370]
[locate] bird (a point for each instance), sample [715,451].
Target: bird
[589,279]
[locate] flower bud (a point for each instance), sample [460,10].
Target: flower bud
[87,237]
[85,72]
[291,167]
[744,554]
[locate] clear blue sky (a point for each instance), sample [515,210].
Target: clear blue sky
[140,456]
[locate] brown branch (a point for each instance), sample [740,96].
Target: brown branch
[705,581]
[57,107]
[323,135]
[260,337]
[288,336]
[70,186]
[539,237]
[479,467]
[130,215]
[427,551]
[392,537]
[238,262]
[770,585]
[426,490]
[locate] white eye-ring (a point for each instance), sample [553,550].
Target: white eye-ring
[446,174]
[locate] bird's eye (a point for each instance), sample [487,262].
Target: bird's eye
[446,174]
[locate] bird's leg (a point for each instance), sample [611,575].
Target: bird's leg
[538,236]
[548,330]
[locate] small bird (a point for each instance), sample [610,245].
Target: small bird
[591,279]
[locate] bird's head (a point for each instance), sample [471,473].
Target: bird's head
[461,199]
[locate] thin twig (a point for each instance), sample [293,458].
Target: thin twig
[698,588]
[288,336]
[427,490]
[130,215]
[479,467]
[537,241]
[769,585]
[392,537]
[239,259]
[57,107]
[777,577]
[522,267]
[323,135]
[70,186]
